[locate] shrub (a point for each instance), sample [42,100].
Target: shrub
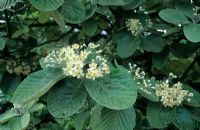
[99,64]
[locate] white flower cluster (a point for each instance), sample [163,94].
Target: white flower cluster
[134,26]
[142,82]
[73,59]
[172,95]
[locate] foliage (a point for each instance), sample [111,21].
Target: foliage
[99,64]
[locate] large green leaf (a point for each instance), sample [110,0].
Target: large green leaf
[115,91]
[117,119]
[152,43]
[46,5]
[73,11]
[192,32]
[184,120]
[4,4]
[173,16]
[159,116]
[66,98]
[35,85]
[127,45]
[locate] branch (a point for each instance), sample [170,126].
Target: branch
[189,68]
[52,24]
[9,33]
[19,9]
[54,40]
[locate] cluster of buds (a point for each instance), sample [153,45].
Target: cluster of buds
[149,23]
[196,15]
[135,26]
[74,60]
[19,66]
[172,95]
[110,49]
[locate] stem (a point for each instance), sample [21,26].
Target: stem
[116,63]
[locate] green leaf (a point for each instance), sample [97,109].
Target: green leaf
[90,8]
[9,83]
[15,123]
[112,2]
[184,120]
[37,107]
[195,100]
[115,91]
[4,4]
[19,123]
[80,120]
[192,32]
[95,116]
[152,43]
[160,59]
[66,98]
[4,127]
[117,119]
[196,114]
[186,8]
[8,115]
[159,116]
[2,43]
[25,119]
[46,5]
[173,16]
[127,45]
[133,4]
[73,11]
[35,85]
[90,27]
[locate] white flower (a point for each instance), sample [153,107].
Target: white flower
[134,26]
[74,58]
[171,96]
